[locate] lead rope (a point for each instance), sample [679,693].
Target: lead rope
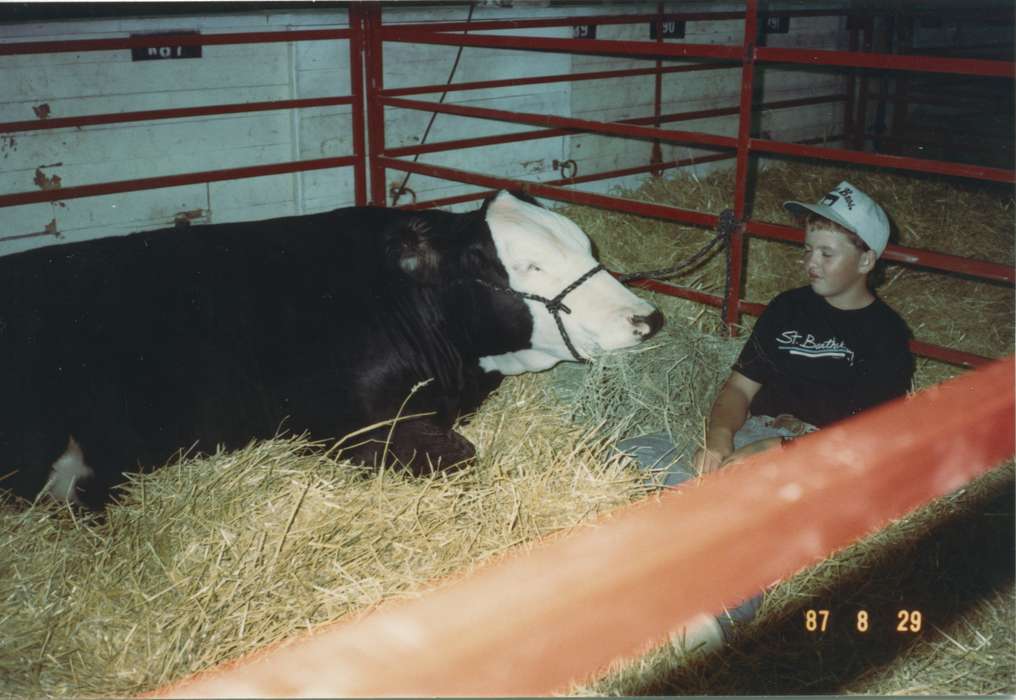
[725,225]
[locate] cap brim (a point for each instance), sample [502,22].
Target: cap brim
[799,209]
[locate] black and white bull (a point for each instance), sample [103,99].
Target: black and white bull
[116,353]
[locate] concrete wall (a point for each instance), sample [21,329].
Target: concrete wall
[73,84]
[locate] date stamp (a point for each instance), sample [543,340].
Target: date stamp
[905,621]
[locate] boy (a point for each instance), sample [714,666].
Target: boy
[818,354]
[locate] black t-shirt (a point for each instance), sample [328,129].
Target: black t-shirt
[822,364]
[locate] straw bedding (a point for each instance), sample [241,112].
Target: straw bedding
[215,556]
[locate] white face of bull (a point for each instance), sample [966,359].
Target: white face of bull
[544,253]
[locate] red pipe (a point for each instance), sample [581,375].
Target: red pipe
[850,127]
[660,211]
[33,47]
[949,355]
[602,19]
[605,175]
[642,49]
[151,183]
[674,290]
[735,248]
[639,169]
[459,144]
[374,64]
[570,77]
[613,128]
[559,22]
[175,113]
[356,44]
[862,98]
[911,256]
[818,57]
[656,154]
[966,66]
[886,161]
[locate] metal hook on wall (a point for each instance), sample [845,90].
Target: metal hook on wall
[564,165]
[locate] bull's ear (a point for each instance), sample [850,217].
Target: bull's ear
[506,198]
[411,249]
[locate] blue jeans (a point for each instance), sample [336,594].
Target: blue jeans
[670,465]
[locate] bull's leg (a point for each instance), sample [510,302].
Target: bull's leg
[421,446]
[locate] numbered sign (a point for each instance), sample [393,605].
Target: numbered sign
[671,28]
[161,50]
[776,25]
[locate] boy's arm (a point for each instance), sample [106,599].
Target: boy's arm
[728,414]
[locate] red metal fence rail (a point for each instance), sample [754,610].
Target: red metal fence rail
[367,35]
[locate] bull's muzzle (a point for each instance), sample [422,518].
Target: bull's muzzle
[647,326]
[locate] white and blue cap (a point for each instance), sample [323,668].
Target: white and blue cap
[853,210]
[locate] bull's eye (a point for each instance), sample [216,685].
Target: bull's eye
[526,267]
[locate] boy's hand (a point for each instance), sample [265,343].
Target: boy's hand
[752,448]
[707,460]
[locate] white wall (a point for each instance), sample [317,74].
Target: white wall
[74,84]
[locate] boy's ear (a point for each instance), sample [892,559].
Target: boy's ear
[867,262]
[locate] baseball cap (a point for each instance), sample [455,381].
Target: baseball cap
[853,210]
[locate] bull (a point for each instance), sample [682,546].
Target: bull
[116,353]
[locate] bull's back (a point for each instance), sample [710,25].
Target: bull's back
[166,337]
[199,280]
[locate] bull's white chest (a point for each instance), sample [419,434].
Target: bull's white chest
[519,362]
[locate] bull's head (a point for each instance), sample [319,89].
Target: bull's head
[546,254]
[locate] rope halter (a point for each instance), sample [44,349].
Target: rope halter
[555,306]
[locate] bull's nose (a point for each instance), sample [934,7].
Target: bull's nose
[646,326]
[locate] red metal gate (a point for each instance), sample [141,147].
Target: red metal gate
[367,36]
[745,56]
[355,160]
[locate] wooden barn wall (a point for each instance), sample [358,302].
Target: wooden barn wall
[73,84]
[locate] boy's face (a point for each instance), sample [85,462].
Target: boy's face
[836,269]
